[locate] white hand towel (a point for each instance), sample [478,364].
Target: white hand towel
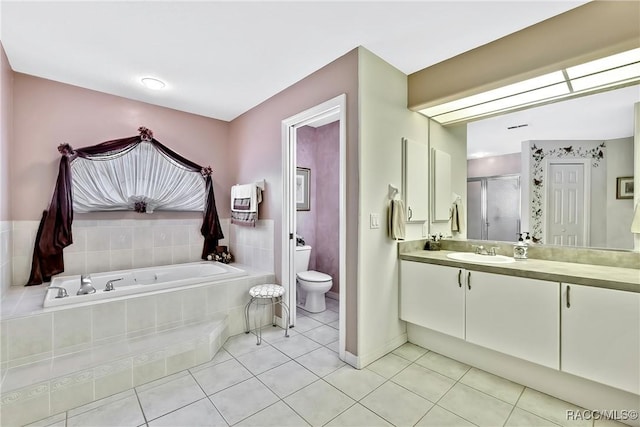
[246,191]
[396,220]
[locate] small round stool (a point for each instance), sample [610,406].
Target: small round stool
[265,295]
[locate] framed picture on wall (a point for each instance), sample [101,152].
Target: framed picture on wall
[624,187]
[302,189]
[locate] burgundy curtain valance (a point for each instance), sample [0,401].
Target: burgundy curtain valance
[54,232]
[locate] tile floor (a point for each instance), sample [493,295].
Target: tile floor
[300,381]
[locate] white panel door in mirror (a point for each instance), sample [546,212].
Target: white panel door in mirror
[415,163]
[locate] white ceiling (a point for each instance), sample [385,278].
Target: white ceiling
[220,59]
[603,116]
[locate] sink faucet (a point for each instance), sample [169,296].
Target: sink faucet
[62,292]
[85,286]
[109,285]
[481,250]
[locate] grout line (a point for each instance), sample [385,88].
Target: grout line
[144,416]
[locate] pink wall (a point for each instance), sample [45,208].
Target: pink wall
[319,150]
[327,201]
[306,220]
[6,123]
[47,113]
[506,164]
[257,154]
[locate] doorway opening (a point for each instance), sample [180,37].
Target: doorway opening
[299,181]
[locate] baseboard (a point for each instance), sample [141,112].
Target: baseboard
[333,295]
[372,356]
[352,359]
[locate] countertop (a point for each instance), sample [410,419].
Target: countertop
[623,279]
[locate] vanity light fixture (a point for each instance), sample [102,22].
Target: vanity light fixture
[613,71]
[151,83]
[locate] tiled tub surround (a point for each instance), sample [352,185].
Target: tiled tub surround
[6,255]
[107,245]
[59,358]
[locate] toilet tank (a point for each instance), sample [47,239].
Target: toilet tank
[303,253]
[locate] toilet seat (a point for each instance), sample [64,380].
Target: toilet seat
[314,276]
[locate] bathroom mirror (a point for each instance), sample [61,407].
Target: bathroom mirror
[558,159]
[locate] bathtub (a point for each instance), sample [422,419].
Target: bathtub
[140,280]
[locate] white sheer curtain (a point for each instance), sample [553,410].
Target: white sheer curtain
[141,178]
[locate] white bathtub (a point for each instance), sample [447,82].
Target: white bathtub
[140,280]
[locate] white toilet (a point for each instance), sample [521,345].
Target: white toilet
[311,285]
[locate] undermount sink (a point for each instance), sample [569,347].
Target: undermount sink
[483,259]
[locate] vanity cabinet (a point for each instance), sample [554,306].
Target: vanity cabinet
[512,315]
[601,335]
[431,296]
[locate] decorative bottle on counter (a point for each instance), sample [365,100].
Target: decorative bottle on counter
[520,249]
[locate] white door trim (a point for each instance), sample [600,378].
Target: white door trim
[289,126]
[587,195]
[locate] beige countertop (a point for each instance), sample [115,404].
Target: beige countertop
[623,279]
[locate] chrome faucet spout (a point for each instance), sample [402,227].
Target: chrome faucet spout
[85,286]
[109,285]
[62,292]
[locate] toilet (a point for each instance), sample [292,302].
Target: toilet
[311,285]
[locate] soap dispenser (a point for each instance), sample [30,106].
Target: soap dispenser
[520,249]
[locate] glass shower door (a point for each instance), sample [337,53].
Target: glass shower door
[503,208]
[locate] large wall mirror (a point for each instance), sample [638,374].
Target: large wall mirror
[555,171]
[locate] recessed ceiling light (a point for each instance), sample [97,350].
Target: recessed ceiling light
[153,84]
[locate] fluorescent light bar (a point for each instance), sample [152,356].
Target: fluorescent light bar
[502,92]
[603,64]
[617,75]
[518,100]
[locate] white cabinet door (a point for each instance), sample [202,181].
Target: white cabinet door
[601,335]
[430,296]
[514,315]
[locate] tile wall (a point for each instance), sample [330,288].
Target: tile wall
[106,245]
[254,246]
[6,255]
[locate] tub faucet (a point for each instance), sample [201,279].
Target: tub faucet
[85,286]
[62,292]
[109,285]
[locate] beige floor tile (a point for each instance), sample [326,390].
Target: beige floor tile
[424,382]
[296,346]
[214,378]
[271,334]
[169,396]
[262,360]
[241,344]
[199,414]
[396,405]
[243,400]
[357,416]
[107,400]
[475,406]
[319,402]
[321,362]
[439,417]
[410,351]
[54,420]
[305,323]
[549,407]
[276,415]
[322,334]
[521,418]
[356,383]
[326,316]
[334,346]
[287,378]
[123,412]
[443,365]
[493,385]
[389,365]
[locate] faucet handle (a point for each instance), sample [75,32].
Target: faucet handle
[492,250]
[479,248]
